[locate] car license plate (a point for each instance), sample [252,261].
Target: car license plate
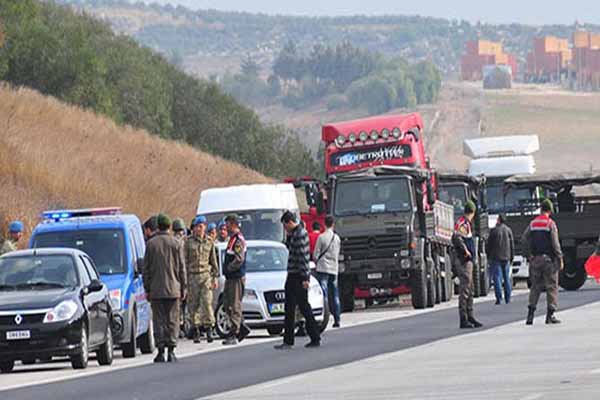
[18,335]
[377,275]
[277,308]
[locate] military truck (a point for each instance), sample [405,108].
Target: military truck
[457,188]
[395,234]
[577,215]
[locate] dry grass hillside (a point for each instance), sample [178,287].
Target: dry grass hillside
[54,155]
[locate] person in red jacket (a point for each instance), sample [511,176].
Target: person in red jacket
[313,236]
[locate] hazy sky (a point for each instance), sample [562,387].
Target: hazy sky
[535,12]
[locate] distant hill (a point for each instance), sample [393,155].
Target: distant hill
[53,155]
[184,34]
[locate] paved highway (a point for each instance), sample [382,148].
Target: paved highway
[215,372]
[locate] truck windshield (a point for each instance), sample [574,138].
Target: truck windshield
[256,224]
[499,201]
[37,272]
[105,246]
[372,197]
[456,195]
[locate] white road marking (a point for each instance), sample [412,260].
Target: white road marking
[534,396]
[595,371]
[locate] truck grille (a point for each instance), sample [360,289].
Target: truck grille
[380,246]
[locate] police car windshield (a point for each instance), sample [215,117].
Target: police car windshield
[37,272]
[256,224]
[105,246]
[265,259]
[372,197]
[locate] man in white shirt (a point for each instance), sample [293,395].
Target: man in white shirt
[326,256]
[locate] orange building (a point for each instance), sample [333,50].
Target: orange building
[479,53]
[549,58]
[586,59]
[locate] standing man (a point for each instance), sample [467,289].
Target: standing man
[179,231]
[326,255]
[223,236]
[203,272]
[542,247]
[211,231]
[313,236]
[297,283]
[464,248]
[165,283]
[234,269]
[501,250]
[150,228]
[15,233]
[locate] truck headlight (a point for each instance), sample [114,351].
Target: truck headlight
[64,311]
[115,299]
[250,294]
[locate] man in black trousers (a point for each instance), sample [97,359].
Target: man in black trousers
[297,283]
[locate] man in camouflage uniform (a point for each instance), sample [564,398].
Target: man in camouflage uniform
[203,272]
[15,233]
[211,231]
[541,246]
[464,248]
[234,269]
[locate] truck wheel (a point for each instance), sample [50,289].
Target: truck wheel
[437,281]
[7,366]
[572,278]
[130,348]
[430,283]
[147,340]
[347,294]
[476,280]
[484,274]
[418,288]
[448,283]
[275,330]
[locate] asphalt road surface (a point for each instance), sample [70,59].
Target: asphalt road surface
[215,372]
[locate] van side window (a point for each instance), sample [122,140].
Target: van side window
[86,278]
[134,249]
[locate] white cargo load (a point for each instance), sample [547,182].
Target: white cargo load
[280,196]
[502,166]
[501,146]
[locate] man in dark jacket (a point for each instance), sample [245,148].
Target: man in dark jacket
[165,284]
[297,283]
[464,248]
[501,250]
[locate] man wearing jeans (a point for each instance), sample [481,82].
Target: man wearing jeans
[326,255]
[501,250]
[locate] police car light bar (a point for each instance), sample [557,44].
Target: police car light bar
[58,215]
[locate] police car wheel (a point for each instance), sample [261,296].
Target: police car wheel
[129,349]
[6,366]
[147,345]
[223,325]
[80,361]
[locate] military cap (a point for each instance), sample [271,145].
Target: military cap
[178,225]
[164,222]
[200,219]
[470,207]
[211,226]
[547,206]
[16,227]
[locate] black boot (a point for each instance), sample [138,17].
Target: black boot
[474,322]
[196,334]
[551,318]
[465,324]
[160,357]
[209,334]
[172,357]
[530,316]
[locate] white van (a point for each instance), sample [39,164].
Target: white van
[259,208]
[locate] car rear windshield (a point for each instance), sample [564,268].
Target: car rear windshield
[37,272]
[257,224]
[264,259]
[105,246]
[372,197]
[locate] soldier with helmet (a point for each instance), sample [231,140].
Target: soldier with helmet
[15,233]
[464,248]
[541,246]
[179,230]
[203,274]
